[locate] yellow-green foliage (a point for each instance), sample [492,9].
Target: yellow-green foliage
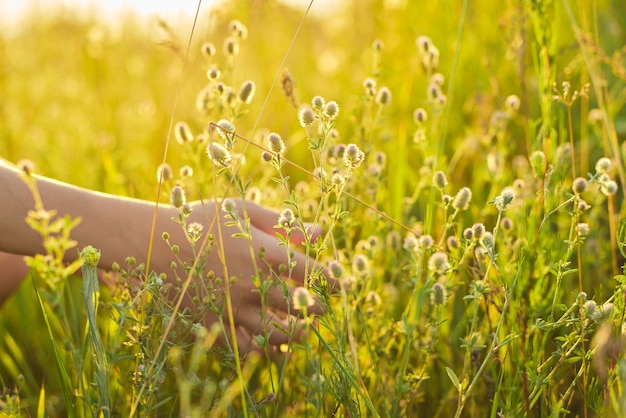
[479,278]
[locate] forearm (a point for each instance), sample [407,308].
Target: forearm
[118,226]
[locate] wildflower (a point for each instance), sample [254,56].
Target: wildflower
[438,295]
[468,234]
[583,205]
[353,156]
[213,73]
[446,199]
[218,154]
[228,205]
[360,264]
[231,46]
[579,185]
[439,180]
[381,158]
[183,133]
[608,188]
[286,219]
[164,172]
[589,308]
[276,143]
[383,97]
[377,45]
[438,263]
[426,241]
[318,102]
[487,240]
[582,229]
[331,110]
[246,92]
[479,230]
[452,242]
[336,269]
[306,117]
[186,171]
[420,116]
[603,165]
[369,84]
[503,201]
[208,49]
[195,229]
[266,156]
[506,224]
[411,244]
[177,197]
[224,127]
[462,199]
[302,298]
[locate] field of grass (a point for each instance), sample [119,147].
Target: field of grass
[477,247]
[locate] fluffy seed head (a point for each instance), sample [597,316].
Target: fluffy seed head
[246,92]
[231,46]
[423,44]
[468,234]
[218,154]
[579,185]
[353,156]
[238,29]
[164,172]
[603,165]
[228,205]
[336,269]
[331,110]
[452,242]
[208,49]
[306,116]
[438,295]
[503,201]
[276,143]
[479,230]
[582,229]
[360,264]
[186,171]
[608,188]
[383,97]
[506,224]
[213,73]
[225,127]
[538,163]
[438,263]
[302,298]
[182,133]
[377,45]
[439,180]
[512,103]
[420,116]
[462,199]
[318,102]
[177,197]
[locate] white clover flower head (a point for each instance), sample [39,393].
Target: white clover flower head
[603,165]
[306,117]
[228,205]
[318,102]
[438,263]
[218,154]
[353,156]
[225,127]
[608,188]
[302,298]
[286,219]
[195,228]
[276,143]
[411,244]
[331,110]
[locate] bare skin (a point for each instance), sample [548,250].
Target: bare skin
[120,227]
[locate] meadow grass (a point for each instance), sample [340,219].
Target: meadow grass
[465,160]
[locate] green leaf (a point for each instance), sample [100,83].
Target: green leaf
[453,378]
